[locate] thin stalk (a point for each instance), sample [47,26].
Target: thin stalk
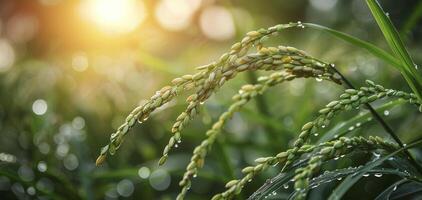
[263,108]
[227,165]
[384,124]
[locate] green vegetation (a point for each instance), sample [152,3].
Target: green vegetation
[264,120]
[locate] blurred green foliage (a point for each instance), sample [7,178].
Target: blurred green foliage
[55,116]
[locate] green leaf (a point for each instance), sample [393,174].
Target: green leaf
[393,39]
[277,182]
[374,50]
[412,20]
[336,175]
[409,190]
[387,192]
[362,118]
[351,180]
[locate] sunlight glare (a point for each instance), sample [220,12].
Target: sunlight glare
[176,15]
[114,16]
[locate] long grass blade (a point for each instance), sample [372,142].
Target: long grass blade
[387,192]
[338,193]
[393,39]
[411,21]
[374,50]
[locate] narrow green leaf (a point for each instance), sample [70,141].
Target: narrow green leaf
[409,190]
[351,180]
[412,20]
[277,182]
[374,50]
[393,39]
[335,175]
[362,118]
[387,192]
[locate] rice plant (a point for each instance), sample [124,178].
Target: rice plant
[302,167]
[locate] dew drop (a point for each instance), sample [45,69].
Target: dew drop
[316,134]
[339,178]
[377,175]
[176,145]
[195,175]
[358,124]
[416,66]
[395,188]
[386,112]
[322,126]
[351,128]
[336,158]
[318,79]
[202,102]
[286,186]
[365,175]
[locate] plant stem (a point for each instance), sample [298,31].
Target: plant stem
[384,124]
[263,108]
[226,164]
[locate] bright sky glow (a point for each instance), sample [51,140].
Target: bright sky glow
[114,16]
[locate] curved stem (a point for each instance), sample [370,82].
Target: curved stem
[384,124]
[263,108]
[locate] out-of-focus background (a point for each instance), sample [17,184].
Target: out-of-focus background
[70,72]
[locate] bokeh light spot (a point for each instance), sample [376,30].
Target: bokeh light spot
[44,148]
[31,191]
[5,157]
[49,2]
[79,62]
[39,107]
[125,187]
[217,23]
[78,123]
[26,173]
[323,5]
[71,162]
[176,15]
[160,179]
[7,55]
[144,172]
[22,28]
[42,166]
